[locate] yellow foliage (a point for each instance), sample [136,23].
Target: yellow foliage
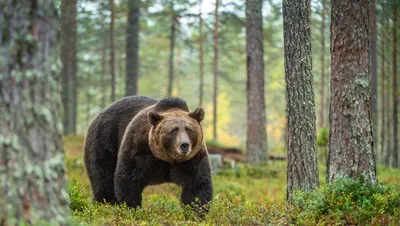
[223,121]
[276,126]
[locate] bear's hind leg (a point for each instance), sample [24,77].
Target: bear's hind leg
[103,190]
[101,176]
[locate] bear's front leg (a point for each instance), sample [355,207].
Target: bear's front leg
[130,179]
[195,178]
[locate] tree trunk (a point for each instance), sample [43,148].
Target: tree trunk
[32,172]
[88,98]
[103,71]
[322,89]
[171,51]
[68,59]
[256,145]
[201,41]
[215,70]
[132,48]
[383,100]
[112,51]
[389,113]
[395,157]
[374,71]
[351,146]
[302,168]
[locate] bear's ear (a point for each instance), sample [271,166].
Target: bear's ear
[197,114]
[154,118]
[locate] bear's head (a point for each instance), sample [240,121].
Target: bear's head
[175,135]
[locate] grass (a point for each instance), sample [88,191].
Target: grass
[247,195]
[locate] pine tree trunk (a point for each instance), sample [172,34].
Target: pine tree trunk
[389,113]
[121,65]
[112,51]
[383,100]
[388,106]
[322,89]
[256,145]
[88,98]
[201,50]
[351,147]
[32,173]
[132,48]
[215,70]
[302,168]
[103,71]
[68,59]
[171,51]
[374,71]
[395,157]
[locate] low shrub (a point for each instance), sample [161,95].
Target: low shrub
[78,199]
[347,201]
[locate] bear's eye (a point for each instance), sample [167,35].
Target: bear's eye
[188,129]
[174,130]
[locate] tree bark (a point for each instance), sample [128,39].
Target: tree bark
[215,70]
[68,58]
[103,71]
[112,51]
[256,145]
[88,98]
[201,50]
[351,145]
[171,51]
[374,70]
[322,88]
[302,168]
[395,157]
[132,48]
[32,172]
[383,99]
[389,113]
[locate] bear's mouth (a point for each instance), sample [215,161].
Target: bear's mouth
[181,153]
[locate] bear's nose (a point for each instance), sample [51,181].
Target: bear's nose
[184,146]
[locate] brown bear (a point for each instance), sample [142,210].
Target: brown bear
[139,141]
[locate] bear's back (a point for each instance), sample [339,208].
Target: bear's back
[108,128]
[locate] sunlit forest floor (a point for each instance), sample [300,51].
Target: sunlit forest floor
[246,195]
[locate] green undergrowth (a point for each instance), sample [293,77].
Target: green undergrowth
[246,195]
[348,202]
[344,202]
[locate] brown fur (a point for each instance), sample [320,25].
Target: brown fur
[149,152]
[180,121]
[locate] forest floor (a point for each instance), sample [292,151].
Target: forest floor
[246,195]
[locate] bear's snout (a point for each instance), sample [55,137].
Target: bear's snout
[185,147]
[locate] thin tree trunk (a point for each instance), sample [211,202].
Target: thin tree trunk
[383,100]
[389,124]
[68,59]
[122,65]
[112,51]
[351,147]
[322,89]
[256,144]
[201,41]
[374,71]
[395,157]
[88,98]
[132,48]
[302,168]
[171,51]
[215,70]
[32,172]
[178,74]
[103,71]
